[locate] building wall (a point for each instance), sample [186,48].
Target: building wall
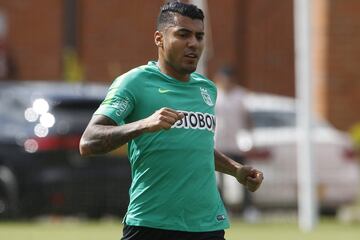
[343,63]
[121,36]
[34,37]
[116,36]
[269,46]
[225,45]
[320,54]
[256,36]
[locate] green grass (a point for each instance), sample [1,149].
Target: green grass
[55,229]
[325,230]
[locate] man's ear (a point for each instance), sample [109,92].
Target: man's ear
[158,38]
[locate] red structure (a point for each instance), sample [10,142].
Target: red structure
[256,36]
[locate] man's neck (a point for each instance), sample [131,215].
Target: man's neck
[170,71]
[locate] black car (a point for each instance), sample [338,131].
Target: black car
[41,170]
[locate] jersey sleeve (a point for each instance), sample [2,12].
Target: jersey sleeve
[119,101]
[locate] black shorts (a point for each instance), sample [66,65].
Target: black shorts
[146,233]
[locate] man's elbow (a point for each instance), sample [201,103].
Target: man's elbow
[84,148]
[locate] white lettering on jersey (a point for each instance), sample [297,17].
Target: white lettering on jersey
[196,120]
[206,96]
[121,104]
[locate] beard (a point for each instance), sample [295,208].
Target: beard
[183,68]
[188,67]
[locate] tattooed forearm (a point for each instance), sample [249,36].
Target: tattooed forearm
[102,136]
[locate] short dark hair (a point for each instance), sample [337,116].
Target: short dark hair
[168,11]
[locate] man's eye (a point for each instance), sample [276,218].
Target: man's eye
[200,37]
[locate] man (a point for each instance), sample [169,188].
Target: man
[232,118]
[165,112]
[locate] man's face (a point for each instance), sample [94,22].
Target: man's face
[182,44]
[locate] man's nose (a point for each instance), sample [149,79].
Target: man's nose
[193,42]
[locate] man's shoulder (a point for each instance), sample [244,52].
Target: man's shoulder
[201,79]
[136,72]
[133,76]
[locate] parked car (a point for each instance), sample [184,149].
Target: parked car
[271,147]
[41,170]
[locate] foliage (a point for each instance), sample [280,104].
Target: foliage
[355,134]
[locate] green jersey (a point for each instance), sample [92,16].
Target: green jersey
[173,171]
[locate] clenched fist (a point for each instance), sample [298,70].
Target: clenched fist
[250,177]
[163,118]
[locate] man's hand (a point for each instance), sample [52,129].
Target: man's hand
[102,134]
[250,177]
[163,118]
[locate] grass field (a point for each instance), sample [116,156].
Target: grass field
[106,230]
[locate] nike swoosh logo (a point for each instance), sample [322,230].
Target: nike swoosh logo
[164,90]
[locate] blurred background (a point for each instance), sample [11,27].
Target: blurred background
[58,57]
[89,40]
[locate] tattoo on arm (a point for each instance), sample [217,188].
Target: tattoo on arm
[102,135]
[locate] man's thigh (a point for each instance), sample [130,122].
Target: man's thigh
[146,233]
